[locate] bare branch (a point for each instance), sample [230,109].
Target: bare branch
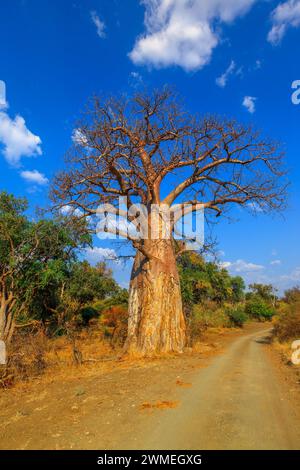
[139,148]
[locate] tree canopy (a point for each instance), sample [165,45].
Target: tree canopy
[202,281]
[35,259]
[135,147]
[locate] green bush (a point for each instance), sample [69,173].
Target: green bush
[87,314]
[120,299]
[206,315]
[210,314]
[259,310]
[237,316]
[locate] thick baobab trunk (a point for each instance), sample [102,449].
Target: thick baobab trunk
[156,321]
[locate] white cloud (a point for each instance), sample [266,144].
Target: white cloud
[34,176]
[3,102]
[136,76]
[135,79]
[276,262]
[249,103]
[100,25]
[293,276]
[241,266]
[78,137]
[97,254]
[69,210]
[285,15]
[17,139]
[183,32]
[255,207]
[223,79]
[237,71]
[258,64]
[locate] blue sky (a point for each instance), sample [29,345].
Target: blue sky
[237,58]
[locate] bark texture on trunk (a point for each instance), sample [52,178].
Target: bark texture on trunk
[6,316]
[156,321]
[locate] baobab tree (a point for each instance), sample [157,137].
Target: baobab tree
[149,150]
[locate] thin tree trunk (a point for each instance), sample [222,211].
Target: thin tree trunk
[156,321]
[6,316]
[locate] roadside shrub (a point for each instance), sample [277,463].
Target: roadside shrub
[121,299]
[114,321]
[203,316]
[292,296]
[26,357]
[237,316]
[287,327]
[259,310]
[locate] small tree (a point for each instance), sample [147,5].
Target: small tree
[206,281]
[238,288]
[266,292]
[151,151]
[292,296]
[34,261]
[260,310]
[15,250]
[88,284]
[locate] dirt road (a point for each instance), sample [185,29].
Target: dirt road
[235,403]
[237,399]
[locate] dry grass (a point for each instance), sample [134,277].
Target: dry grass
[285,352]
[34,355]
[38,358]
[287,326]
